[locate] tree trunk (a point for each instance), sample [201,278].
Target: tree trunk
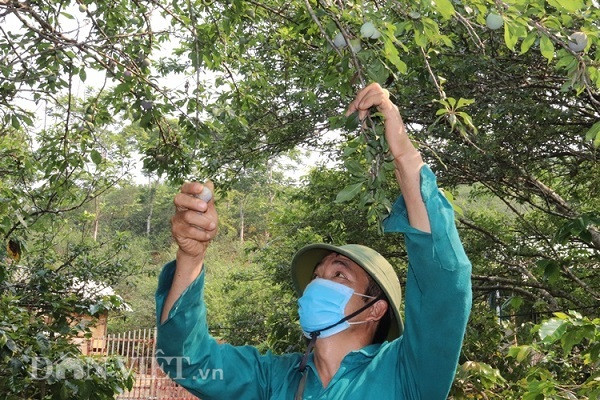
[96,219]
[242,221]
[151,210]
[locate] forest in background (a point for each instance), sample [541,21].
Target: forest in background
[501,97]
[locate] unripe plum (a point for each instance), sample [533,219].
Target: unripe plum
[494,21]
[369,31]
[339,41]
[205,195]
[82,8]
[578,41]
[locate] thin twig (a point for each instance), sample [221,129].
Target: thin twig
[355,61]
[471,31]
[323,32]
[433,77]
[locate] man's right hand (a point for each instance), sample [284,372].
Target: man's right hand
[195,221]
[193,226]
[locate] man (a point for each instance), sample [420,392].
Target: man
[350,301]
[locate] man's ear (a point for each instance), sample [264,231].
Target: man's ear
[378,310]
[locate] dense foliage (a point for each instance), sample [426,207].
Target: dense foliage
[502,98]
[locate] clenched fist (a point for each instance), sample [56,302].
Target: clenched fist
[195,221]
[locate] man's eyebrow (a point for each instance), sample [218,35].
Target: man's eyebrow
[343,260]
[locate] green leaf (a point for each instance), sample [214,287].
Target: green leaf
[464,102]
[513,31]
[392,55]
[354,167]
[21,220]
[377,72]
[561,315]
[420,38]
[352,122]
[94,308]
[509,37]
[552,271]
[567,5]
[594,134]
[452,202]
[349,192]
[11,345]
[528,42]
[552,330]
[514,302]
[547,47]
[14,120]
[96,156]
[64,392]
[575,337]
[519,352]
[445,8]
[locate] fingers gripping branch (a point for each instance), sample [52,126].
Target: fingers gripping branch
[407,159]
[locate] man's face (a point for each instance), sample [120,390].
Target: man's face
[338,268]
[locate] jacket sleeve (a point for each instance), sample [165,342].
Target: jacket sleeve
[438,295]
[193,358]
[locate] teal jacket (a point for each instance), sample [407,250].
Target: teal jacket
[419,365]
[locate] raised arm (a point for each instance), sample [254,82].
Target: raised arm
[193,226]
[438,290]
[407,159]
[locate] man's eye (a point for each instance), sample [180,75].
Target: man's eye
[338,274]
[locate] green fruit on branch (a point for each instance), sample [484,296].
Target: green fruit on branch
[339,41]
[369,31]
[494,21]
[146,62]
[578,41]
[82,8]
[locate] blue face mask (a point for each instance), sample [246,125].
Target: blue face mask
[322,305]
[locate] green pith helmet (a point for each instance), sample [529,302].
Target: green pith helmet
[380,270]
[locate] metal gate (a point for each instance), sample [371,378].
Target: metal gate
[138,348]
